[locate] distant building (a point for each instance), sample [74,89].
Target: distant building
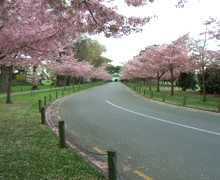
[115,79]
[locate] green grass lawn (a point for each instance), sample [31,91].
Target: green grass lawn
[192,99]
[22,88]
[28,88]
[30,150]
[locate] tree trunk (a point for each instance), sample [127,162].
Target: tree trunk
[60,80]
[73,80]
[82,80]
[3,79]
[150,81]
[65,82]
[34,83]
[140,82]
[172,84]
[203,84]
[10,71]
[68,80]
[158,82]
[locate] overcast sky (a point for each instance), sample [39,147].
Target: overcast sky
[170,24]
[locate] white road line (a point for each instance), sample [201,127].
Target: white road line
[162,120]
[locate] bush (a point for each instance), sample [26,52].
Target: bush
[212,80]
[187,81]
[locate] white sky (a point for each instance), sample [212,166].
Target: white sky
[170,24]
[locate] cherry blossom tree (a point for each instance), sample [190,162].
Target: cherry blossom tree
[157,60]
[126,74]
[201,54]
[40,29]
[213,29]
[100,73]
[175,57]
[153,62]
[27,36]
[82,71]
[180,3]
[69,66]
[131,70]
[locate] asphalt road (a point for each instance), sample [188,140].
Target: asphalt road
[153,140]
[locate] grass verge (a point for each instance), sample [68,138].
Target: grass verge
[28,88]
[29,150]
[181,98]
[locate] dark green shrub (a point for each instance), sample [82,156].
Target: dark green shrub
[212,81]
[187,81]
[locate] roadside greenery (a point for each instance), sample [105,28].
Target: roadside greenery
[187,81]
[212,80]
[191,99]
[91,50]
[30,150]
[28,88]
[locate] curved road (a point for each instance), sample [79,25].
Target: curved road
[153,140]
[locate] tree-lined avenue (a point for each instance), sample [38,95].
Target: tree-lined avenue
[153,139]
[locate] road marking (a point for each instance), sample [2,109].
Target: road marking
[192,110]
[215,114]
[161,103]
[99,150]
[172,106]
[144,176]
[75,134]
[59,117]
[57,112]
[165,121]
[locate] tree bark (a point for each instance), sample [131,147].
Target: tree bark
[10,71]
[82,80]
[150,83]
[68,80]
[73,81]
[3,79]
[34,86]
[172,84]
[60,80]
[203,84]
[158,82]
[65,82]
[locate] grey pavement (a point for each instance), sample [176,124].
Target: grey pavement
[153,140]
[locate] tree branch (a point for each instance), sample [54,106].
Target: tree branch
[28,46]
[91,13]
